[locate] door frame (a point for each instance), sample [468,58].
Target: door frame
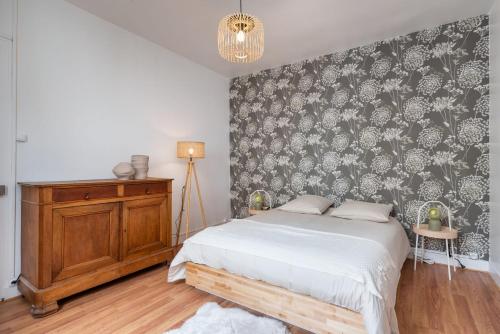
[9,232]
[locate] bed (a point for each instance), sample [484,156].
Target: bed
[321,273]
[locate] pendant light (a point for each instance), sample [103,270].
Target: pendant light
[241,37]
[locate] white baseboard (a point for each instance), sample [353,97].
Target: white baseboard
[10,292]
[496,277]
[495,274]
[440,257]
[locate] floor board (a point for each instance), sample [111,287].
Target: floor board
[144,303]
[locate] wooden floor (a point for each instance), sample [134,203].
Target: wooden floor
[145,303]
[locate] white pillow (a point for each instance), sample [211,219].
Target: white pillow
[310,204]
[375,212]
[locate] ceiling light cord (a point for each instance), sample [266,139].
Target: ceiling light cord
[241,7]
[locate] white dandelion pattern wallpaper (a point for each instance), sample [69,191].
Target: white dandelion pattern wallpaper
[401,121]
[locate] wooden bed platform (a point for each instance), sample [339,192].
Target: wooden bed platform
[296,309]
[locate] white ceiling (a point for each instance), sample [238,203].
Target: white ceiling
[294,29]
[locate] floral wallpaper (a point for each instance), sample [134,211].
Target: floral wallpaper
[400,121]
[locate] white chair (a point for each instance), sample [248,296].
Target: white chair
[446,233]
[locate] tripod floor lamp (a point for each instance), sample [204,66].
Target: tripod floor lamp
[190,150]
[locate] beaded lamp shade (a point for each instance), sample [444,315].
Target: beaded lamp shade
[241,38]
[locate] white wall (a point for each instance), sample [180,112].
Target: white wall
[6,18]
[495,142]
[90,94]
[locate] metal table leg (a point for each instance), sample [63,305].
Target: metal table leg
[416,254]
[448,260]
[423,250]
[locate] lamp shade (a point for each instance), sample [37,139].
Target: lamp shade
[190,149]
[241,38]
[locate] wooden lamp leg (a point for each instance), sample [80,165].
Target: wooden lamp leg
[178,233]
[200,201]
[188,189]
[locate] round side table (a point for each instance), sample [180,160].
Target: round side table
[253,212]
[446,233]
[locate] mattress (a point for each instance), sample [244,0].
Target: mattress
[350,263]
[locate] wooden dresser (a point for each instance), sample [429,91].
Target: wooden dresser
[77,235]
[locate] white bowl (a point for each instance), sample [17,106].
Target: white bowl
[123,171]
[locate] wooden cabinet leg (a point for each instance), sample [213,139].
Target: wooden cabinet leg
[39,311]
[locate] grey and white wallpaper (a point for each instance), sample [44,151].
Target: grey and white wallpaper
[400,121]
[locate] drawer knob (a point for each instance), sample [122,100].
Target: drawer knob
[148,192]
[86,196]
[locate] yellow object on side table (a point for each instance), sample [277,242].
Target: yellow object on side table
[259,201]
[434,215]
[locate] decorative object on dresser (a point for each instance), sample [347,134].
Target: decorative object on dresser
[444,233]
[79,234]
[190,150]
[259,201]
[140,163]
[124,171]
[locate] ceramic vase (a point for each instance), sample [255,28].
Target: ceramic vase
[123,171]
[140,163]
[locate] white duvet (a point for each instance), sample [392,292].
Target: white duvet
[350,263]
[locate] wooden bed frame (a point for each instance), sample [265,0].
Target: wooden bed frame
[296,309]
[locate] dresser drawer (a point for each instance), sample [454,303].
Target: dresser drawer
[84,193]
[145,189]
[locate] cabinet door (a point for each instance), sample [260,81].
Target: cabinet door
[144,226]
[85,238]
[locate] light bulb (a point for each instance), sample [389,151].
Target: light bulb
[240,55]
[191,151]
[240,36]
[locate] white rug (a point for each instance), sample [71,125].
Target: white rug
[213,319]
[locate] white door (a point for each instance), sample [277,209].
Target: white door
[7,156]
